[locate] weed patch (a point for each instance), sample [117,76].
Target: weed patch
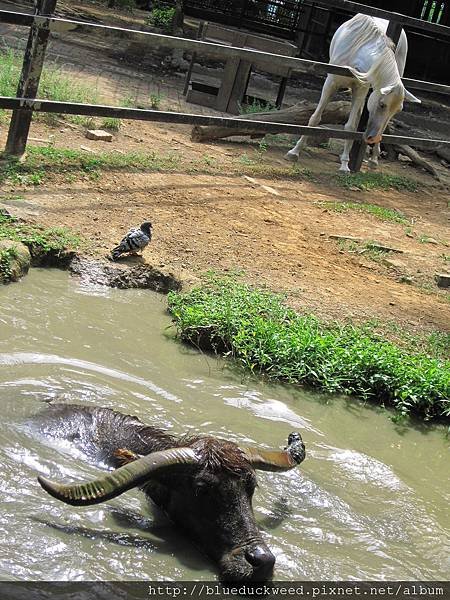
[380,212]
[43,162]
[7,255]
[54,84]
[376,181]
[265,336]
[39,239]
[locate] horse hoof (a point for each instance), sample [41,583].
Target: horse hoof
[291,156]
[344,170]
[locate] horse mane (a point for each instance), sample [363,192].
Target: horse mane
[383,73]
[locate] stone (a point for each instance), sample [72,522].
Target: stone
[99,135]
[15,260]
[404,159]
[443,280]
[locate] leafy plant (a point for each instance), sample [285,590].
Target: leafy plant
[265,336]
[162,17]
[257,106]
[155,100]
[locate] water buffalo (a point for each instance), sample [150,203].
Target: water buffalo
[205,485]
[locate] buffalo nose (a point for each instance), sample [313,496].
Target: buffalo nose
[260,558]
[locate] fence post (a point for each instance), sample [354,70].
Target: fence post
[33,62]
[359,148]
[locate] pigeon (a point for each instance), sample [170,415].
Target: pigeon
[136,239]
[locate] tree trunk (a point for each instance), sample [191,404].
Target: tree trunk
[299,114]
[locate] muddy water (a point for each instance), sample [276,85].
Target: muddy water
[370,502]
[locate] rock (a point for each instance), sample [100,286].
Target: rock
[124,276]
[99,135]
[393,263]
[15,260]
[443,152]
[404,159]
[443,280]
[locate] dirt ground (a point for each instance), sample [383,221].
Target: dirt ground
[276,229]
[279,235]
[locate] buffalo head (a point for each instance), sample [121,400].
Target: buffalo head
[206,486]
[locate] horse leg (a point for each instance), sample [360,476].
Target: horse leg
[329,87]
[373,160]
[359,94]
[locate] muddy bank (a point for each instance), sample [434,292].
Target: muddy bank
[90,271]
[124,276]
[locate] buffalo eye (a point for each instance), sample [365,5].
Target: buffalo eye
[202,488]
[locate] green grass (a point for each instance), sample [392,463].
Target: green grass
[54,84]
[380,212]
[256,106]
[376,181]
[111,123]
[162,17]
[41,163]
[155,100]
[7,255]
[265,336]
[39,239]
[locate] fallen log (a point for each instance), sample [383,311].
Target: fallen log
[299,114]
[417,159]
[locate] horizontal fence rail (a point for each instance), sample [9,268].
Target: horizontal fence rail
[59,25]
[101,110]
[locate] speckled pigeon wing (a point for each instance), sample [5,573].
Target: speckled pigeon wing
[137,239]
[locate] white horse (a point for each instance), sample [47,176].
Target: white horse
[362,45]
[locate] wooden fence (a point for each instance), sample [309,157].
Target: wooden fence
[42,24]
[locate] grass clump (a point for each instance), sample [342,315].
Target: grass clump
[380,212]
[54,84]
[256,106]
[42,163]
[7,255]
[265,336]
[376,181]
[39,239]
[111,123]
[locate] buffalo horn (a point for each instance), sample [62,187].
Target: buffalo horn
[119,481]
[278,460]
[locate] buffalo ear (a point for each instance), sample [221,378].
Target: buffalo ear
[125,456]
[411,98]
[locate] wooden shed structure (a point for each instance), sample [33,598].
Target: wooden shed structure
[311,26]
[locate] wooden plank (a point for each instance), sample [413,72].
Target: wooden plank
[58,25]
[239,88]
[101,110]
[201,98]
[229,74]
[33,61]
